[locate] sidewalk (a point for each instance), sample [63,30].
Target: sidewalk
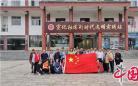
[17,73]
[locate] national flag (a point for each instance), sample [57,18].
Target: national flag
[82,63]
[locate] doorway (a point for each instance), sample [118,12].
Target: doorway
[84,42]
[16,44]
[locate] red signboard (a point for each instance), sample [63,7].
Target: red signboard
[67,27]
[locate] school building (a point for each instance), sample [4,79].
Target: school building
[52,24]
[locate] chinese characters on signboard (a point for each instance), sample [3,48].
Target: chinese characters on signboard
[64,27]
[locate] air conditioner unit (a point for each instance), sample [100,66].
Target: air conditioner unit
[4,3]
[4,28]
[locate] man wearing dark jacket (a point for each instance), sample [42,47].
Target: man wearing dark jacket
[44,56]
[57,56]
[118,58]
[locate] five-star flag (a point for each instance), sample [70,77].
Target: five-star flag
[82,63]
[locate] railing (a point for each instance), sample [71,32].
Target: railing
[36,2]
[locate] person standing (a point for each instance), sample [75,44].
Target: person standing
[44,62]
[31,60]
[36,64]
[44,56]
[100,55]
[57,56]
[110,58]
[106,62]
[118,58]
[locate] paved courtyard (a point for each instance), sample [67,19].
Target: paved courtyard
[17,73]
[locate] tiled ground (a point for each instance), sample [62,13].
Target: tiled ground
[17,73]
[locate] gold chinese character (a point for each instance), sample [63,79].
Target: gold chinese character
[103,26]
[75,27]
[114,26]
[64,27]
[86,27]
[97,27]
[58,26]
[91,26]
[108,26]
[119,26]
[69,27]
[80,27]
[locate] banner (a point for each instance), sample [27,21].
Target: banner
[66,27]
[82,63]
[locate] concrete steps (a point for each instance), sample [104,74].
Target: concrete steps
[23,55]
[14,55]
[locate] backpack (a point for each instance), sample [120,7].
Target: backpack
[46,65]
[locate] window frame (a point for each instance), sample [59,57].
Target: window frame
[35,20]
[13,21]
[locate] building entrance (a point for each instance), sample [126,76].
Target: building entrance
[85,42]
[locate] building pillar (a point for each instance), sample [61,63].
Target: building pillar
[26,30]
[71,35]
[5,42]
[48,42]
[99,33]
[126,27]
[120,34]
[26,2]
[43,29]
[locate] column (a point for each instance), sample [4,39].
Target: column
[120,34]
[71,38]
[26,29]
[43,29]
[26,3]
[126,27]
[48,41]
[99,33]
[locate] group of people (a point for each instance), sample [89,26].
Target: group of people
[46,62]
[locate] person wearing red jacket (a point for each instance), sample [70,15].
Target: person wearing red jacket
[36,64]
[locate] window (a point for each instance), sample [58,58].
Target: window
[109,19]
[82,0]
[130,20]
[32,3]
[134,3]
[16,43]
[36,20]
[15,3]
[35,2]
[84,19]
[1,44]
[59,40]
[35,41]
[16,20]
[48,17]
[4,3]
[4,22]
[60,20]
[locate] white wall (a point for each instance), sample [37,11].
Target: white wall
[133,29]
[15,29]
[136,29]
[22,2]
[109,14]
[59,14]
[82,14]
[35,29]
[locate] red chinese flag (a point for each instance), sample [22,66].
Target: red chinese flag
[82,63]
